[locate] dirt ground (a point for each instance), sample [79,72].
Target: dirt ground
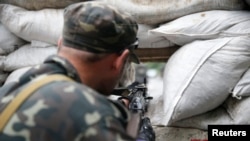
[179,134]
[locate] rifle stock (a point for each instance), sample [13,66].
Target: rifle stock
[134,125]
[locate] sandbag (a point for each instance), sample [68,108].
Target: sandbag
[144,11]
[40,4]
[15,75]
[199,76]
[46,26]
[2,58]
[232,111]
[35,43]
[205,25]
[8,41]
[147,40]
[160,11]
[43,25]
[27,55]
[242,88]
[3,77]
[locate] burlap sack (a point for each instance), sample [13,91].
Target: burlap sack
[162,11]
[8,41]
[200,76]
[27,55]
[43,25]
[205,25]
[40,4]
[144,11]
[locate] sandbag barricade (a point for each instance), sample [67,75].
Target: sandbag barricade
[211,51]
[199,77]
[205,25]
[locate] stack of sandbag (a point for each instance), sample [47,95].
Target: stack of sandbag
[8,43]
[210,44]
[29,37]
[31,20]
[45,26]
[154,12]
[206,80]
[144,11]
[40,4]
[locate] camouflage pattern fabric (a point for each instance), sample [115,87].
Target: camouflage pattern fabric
[62,111]
[98,27]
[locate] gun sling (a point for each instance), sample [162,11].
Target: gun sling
[25,93]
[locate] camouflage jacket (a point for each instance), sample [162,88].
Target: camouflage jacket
[63,110]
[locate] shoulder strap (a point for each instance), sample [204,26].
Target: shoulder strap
[25,93]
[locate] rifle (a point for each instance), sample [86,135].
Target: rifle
[137,95]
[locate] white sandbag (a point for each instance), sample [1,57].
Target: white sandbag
[147,40]
[8,41]
[46,25]
[242,88]
[217,116]
[145,11]
[2,59]
[41,4]
[43,25]
[3,77]
[160,11]
[232,111]
[35,43]
[238,110]
[27,55]
[16,74]
[205,25]
[239,29]
[199,76]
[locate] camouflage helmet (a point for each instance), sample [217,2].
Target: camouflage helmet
[97,27]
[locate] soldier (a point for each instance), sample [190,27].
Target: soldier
[97,42]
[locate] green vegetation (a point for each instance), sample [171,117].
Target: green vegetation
[158,66]
[155,65]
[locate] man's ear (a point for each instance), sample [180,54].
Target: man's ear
[121,59]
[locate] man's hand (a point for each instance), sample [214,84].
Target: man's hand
[137,102]
[124,101]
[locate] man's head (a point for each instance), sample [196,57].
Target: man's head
[97,39]
[99,28]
